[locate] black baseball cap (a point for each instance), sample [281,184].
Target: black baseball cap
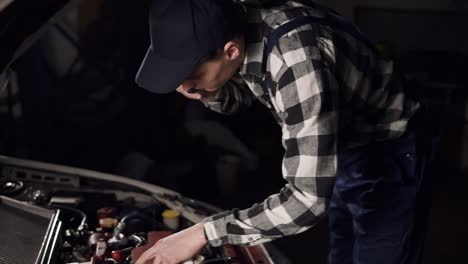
[182,33]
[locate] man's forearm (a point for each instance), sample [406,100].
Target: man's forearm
[287,213]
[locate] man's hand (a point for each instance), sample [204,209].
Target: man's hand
[176,248]
[187,87]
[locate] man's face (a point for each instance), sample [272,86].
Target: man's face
[212,74]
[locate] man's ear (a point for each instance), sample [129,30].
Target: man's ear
[232,50]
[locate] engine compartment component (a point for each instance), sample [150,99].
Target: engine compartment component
[100,228]
[171,219]
[113,231]
[101,218]
[10,187]
[31,232]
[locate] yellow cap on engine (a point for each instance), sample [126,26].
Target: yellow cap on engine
[108,222]
[171,219]
[170,213]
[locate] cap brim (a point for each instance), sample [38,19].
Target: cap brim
[160,75]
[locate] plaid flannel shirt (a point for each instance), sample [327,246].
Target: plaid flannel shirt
[329,91]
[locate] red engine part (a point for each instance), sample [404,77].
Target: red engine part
[106,212]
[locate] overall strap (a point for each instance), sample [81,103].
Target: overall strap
[289,26]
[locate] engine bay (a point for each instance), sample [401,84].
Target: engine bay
[104,222]
[98,227]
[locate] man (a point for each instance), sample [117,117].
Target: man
[344,116]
